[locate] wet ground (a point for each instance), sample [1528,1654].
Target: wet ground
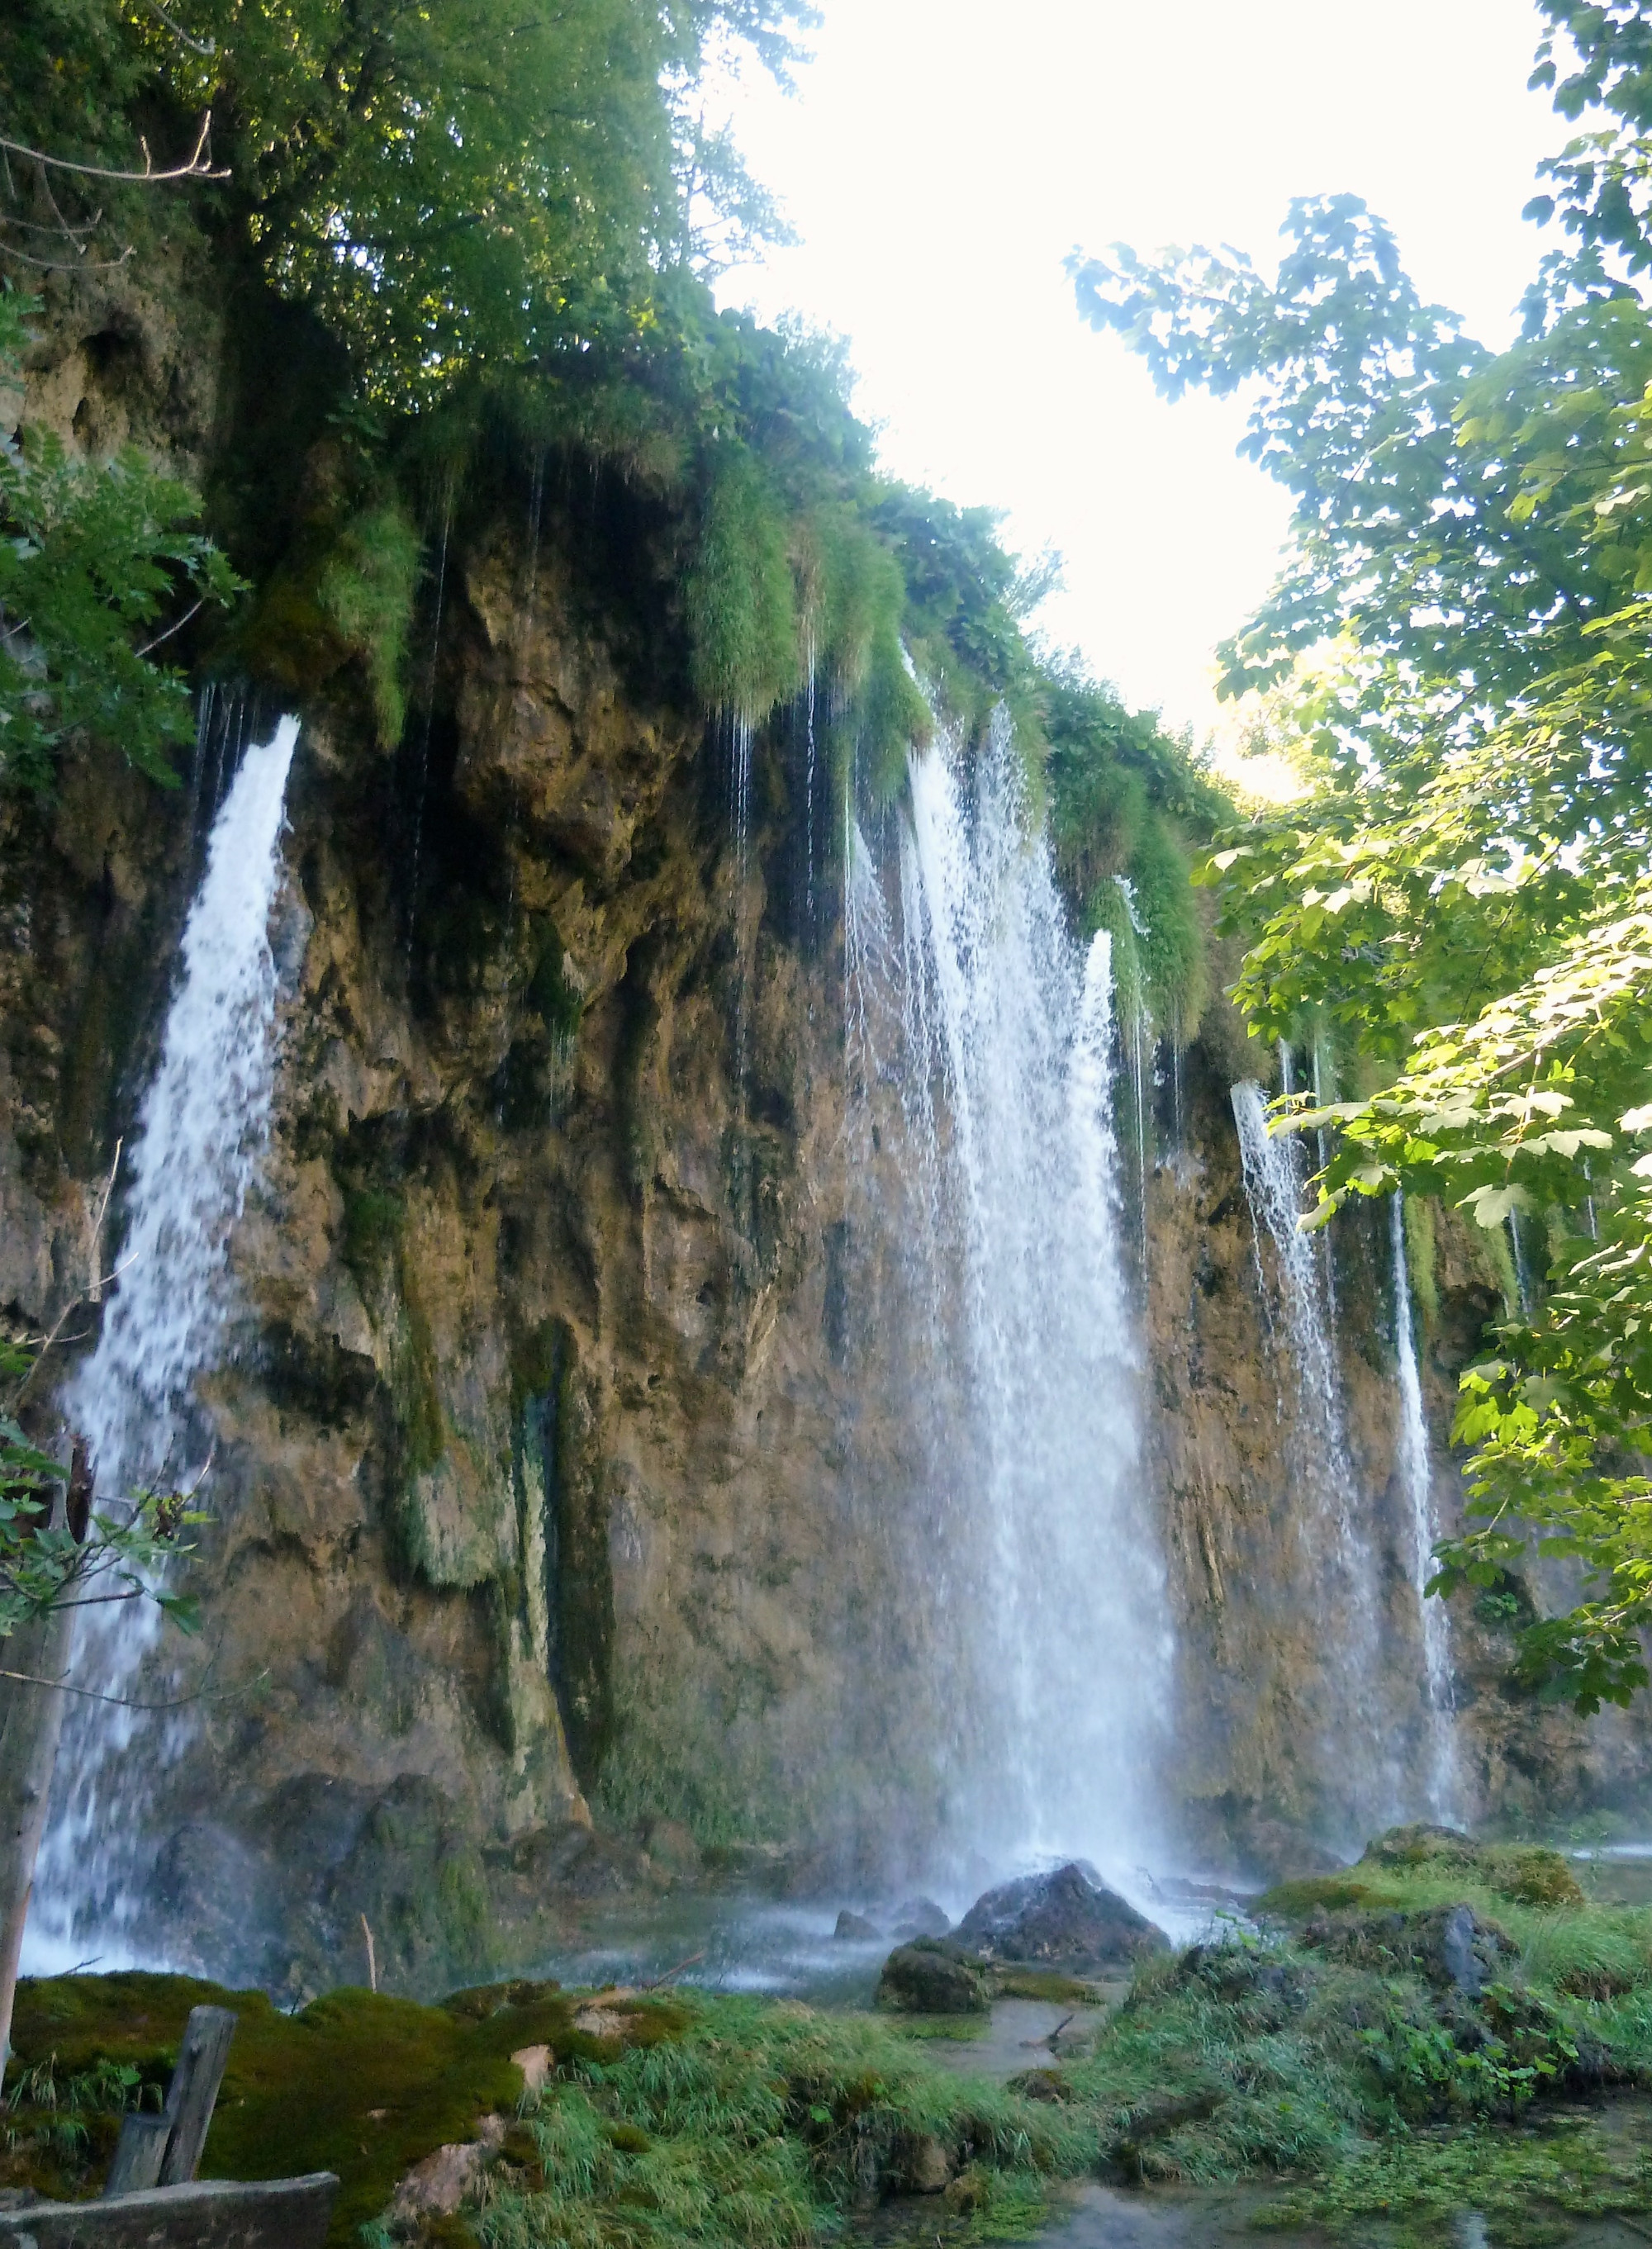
[1167,2218]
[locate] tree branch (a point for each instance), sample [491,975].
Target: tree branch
[194,169]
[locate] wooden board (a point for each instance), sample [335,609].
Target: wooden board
[206,2214]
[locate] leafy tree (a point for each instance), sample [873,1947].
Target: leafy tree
[484,182]
[90,556]
[1458,650]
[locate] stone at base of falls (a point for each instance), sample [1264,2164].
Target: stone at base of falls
[1451,1947]
[671,1849]
[436,2185]
[932,1976]
[919,1917]
[1278,1852]
[855,1926]
[1063,1919]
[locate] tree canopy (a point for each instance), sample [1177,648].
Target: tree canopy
[1457,649]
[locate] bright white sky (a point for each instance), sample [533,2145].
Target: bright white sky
[942,157]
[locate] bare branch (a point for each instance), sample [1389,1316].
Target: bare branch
[91,1695]
[33,225]
[171,630]
[61,265]
[196,46]
[193,169]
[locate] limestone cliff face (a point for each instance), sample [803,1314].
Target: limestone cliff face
[1292,1724]
[566,1459]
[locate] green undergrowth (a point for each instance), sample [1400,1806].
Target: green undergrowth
[1531,2185]
[357,2083]
[1332,2054]
[763,2126]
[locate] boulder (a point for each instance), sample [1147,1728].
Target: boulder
[1450,1947]
[855,1928]
[919,1917]
[1525,1872]
[932,1977]
[1281,1851]
[1066,1918]
[671,1849]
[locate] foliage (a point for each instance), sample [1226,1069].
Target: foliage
[1124,797]
[90,556]
[475,183]
[49,1562]
[676,2119]
[746,2123]
[1457,652]
[366,591]
[741,607]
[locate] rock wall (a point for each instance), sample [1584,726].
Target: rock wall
[562,1468]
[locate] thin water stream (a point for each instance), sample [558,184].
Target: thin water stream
[1416,1474]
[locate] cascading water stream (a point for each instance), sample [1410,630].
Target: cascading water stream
[1015,1026]
[1417,1477]
[1340,1557]
[201,1131]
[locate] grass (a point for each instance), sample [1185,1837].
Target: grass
[762,2126]
[1324,2055]
[1530,2185]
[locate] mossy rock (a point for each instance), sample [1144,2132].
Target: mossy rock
[930,1977]
[1533,1876]
[357,2083]
[1526,1874]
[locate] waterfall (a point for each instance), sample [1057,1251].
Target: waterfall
[1273,1188]
[1417,1475]
[1005,1131]
[1297,1311]
[202,1131]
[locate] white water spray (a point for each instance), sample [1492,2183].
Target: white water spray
[1342,1566]
[1417,1476]
[1076,1646]
[201,1131]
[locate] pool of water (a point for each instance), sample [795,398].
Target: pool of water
[734,1942]
[725,1943]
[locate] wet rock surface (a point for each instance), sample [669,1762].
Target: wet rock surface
[1449,1946]
[919,1917]
[854,1928]
[1066,1919]
[932,1976]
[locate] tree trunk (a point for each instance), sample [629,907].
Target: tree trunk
[31,1726]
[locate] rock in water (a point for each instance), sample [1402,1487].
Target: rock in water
[855,1926]
[932,1977]
[1064,1918]
[921,1916]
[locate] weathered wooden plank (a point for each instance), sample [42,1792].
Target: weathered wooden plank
[206,2214]
[138,2153]
[194,2090]
[163,2150]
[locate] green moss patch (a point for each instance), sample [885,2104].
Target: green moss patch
[1321,1894]
[1011,1982]
[357,2083]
